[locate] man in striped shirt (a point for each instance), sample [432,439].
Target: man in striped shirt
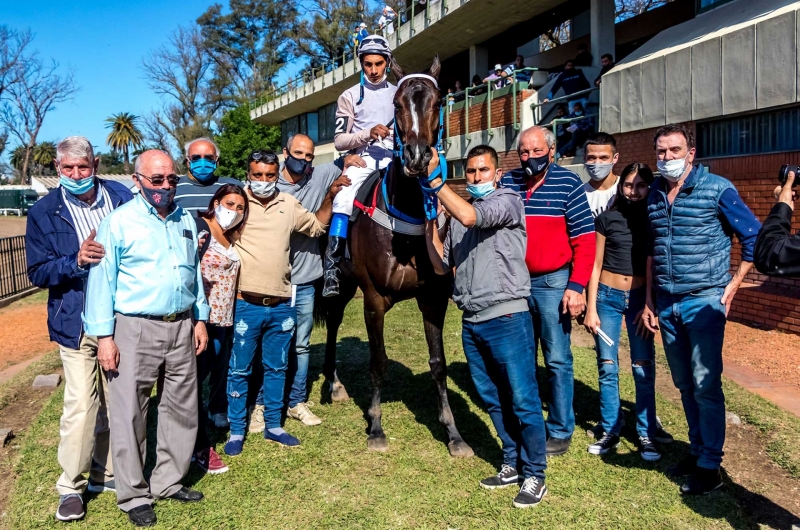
[60,250]
[196,188]
[560,257]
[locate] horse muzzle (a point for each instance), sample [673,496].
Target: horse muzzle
[416,158]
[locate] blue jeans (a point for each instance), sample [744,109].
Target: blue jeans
[693,329]
[298,360]
[552,329]
[500,357]
[612,306]
[272,328]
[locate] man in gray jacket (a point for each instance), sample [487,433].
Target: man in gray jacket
[486,244]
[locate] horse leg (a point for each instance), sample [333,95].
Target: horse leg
[333,320]
[433,313]
[375,308]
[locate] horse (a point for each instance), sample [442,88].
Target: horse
[390,267]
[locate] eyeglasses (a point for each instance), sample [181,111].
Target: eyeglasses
[158,180]
[195,158]
[262,156]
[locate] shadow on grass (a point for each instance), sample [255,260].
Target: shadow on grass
[416,391]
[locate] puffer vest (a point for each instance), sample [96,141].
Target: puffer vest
[691,245]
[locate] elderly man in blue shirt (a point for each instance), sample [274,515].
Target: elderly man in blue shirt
[146,305]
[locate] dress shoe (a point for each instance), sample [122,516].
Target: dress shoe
[142,515]
[186,495]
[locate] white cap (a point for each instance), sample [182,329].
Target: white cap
[498,66]
[362,25]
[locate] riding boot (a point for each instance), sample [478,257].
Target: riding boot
[333,261]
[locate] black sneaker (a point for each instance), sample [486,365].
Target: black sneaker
[507,476]
[684,468]
[557,446]
[531,493]
[702,481]
[662,436]
[70,508]
[648,450]
[604,444]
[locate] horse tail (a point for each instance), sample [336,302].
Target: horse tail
[320,306]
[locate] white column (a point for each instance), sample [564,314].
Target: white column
[602,29]
[478,62]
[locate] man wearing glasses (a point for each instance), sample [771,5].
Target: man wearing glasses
[145,304]
[196,189]
[61,248]
[264,313]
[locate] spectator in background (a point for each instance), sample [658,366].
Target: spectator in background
[562,134]
[580,129]
[607,63]
[450,98]
[61,249]
[518,64]
[777,250]
[458,92]
[477,86]
[571,80]
[387,20]
[361,34]
[498,77]
[584,58]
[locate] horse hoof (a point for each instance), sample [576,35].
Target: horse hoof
[460,449]
[378,444]
[339,393]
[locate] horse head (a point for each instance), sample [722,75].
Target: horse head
[417,103]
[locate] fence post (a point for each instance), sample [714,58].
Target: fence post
[447,126]
[466,111]
[489,111]
[514,96]
[411,31]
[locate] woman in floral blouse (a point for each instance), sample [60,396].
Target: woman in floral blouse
[225,216]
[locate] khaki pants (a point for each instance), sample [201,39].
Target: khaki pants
[84,446]
[145,346]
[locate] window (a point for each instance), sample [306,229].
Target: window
[327,123]
[307,124]
[766,132]
[706,5]
[456,169]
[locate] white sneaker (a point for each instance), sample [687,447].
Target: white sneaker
[257,418]
[303,413]
[220,420]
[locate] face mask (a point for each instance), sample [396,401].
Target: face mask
[297,166]
[203,170]
[77,187]
[578,112]
[672,170]
[380,81]
[262,190]
[227,218]
[598,171]
[478,191]
[158,198]
[536,165]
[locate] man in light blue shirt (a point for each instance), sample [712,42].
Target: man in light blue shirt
[146,305]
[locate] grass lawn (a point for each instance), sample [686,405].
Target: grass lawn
[333,482]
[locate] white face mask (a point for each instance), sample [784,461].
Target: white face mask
[598,171]
[672,170]
[227,218]
[262,189]
[382,79]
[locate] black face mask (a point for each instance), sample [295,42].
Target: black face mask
[158,197]
[297,166]
[536,165]
[632,208]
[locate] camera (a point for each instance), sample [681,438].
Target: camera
[783,174]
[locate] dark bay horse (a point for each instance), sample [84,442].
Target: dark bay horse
[390,267]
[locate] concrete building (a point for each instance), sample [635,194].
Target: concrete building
[733,74]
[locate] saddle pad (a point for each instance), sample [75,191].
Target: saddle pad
[364,195]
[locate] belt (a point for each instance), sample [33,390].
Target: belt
[168,318]
[261,300]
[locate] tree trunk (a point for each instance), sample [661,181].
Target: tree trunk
[25,178]
[127,160]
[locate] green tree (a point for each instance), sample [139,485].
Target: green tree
[111,164]
[324,36]
[44,156]
[238,137]
[124,136]
[18,157]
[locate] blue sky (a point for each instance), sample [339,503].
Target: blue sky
[103,43]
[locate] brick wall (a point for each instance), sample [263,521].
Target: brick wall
[764,301]
[502,113]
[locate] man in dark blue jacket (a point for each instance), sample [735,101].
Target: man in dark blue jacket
[571,80]
[693,215]
[60,250]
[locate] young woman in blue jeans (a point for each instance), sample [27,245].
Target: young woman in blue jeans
[616,291]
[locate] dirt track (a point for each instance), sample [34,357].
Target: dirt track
[12,226]
[23,333]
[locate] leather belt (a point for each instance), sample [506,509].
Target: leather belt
[168,318]
[266,301]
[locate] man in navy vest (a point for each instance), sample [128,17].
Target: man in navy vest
[693,214]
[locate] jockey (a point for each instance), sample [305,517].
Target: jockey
[364,117]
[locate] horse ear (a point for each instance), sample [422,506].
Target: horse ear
[435,68]
[396,70]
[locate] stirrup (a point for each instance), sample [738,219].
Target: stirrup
[331,285]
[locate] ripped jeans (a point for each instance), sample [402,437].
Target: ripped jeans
[612,306]
[272,328]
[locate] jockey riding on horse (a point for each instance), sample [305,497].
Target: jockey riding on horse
[363,126]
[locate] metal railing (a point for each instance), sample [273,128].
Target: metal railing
[13,267]
[576,95]
[489,88]
[557,121]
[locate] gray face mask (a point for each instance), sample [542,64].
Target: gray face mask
[261,189]
[598,171]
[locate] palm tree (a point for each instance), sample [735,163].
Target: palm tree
[18,157]
[44,154]
[124,135]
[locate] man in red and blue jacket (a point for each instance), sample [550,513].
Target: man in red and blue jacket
[560,257]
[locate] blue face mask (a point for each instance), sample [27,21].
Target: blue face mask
[77,187]
[479,191]
[203,170]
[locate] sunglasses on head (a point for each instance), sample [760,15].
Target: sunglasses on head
[195,158]
[259,156]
